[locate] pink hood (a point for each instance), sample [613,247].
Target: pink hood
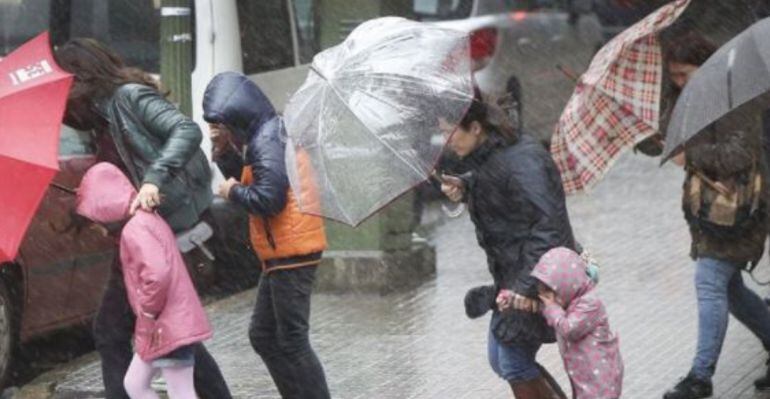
[563,271]
[105,194]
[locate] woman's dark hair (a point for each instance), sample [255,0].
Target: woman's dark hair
[490,116]
[98,70]
[690,48]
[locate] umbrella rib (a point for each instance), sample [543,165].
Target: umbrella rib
[323,160]
[417,172]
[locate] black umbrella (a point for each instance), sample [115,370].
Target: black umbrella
[737,75]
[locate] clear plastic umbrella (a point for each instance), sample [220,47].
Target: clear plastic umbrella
[364,127]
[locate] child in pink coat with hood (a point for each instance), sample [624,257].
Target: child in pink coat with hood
[590,351]
[169,316]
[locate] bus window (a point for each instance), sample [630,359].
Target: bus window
[130,27]
[21,20]
[306,14]
[266,41]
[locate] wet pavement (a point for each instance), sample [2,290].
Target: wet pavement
[419,344]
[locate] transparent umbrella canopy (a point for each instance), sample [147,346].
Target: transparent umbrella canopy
[364,127]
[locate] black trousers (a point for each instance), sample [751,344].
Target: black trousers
[279,333]
[113,330]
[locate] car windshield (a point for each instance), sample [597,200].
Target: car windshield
[440,10]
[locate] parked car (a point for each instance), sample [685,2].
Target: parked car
[519,49]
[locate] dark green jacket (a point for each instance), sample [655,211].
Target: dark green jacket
[160,145]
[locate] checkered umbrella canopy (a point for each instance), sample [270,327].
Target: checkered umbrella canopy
[616,102]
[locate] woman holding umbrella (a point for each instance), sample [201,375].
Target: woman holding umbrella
[516,201]
[158,147]
[723,159]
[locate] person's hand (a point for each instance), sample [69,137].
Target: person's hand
[679,159]
[548,297]
[520,302]
[221,139]
[225,187]
[504,300]
[147,198]
[453,187]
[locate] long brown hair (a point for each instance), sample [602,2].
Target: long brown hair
[689,48]
[98,70]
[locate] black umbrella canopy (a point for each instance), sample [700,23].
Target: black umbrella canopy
[738,73]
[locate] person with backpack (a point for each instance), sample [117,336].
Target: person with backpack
[724,161]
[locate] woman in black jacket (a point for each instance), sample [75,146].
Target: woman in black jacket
[516,202]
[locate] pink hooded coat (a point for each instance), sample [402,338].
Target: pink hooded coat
[153,270]
[591,351]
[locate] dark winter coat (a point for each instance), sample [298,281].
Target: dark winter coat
[517,203]
[160,145]
[722,152]
[231,99]
[282,235]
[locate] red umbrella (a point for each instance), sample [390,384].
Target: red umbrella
[33,95]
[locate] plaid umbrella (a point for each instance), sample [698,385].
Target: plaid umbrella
[616,102]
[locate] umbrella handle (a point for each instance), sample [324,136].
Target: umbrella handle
[64,188]
[569,73]
[714,185]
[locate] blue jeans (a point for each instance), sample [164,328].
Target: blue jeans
[513,363]
[719,286]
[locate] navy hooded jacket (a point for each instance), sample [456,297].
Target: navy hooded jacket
[236,102]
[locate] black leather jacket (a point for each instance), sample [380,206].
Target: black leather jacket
[160,145]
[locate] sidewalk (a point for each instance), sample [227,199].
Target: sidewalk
[419,344]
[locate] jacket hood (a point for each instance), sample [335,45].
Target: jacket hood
[234,100]
[563,271]
[105,194]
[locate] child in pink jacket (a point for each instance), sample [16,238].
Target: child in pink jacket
[590,351]
[169,316]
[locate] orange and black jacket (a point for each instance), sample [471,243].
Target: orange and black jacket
[282,236]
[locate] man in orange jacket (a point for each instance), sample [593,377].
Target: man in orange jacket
[288,242]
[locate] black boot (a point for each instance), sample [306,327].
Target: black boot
[480,300]
[690,388]
[763,384]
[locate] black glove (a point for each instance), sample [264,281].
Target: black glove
[480,300]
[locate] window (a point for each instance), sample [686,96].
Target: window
[306,14]
[21,20]
[130,27]
[266,41]
[437,10]
[75,142]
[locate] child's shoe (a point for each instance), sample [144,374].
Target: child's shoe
[763,384]
[690,387]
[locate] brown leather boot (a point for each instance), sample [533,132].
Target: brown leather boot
[539,388]
[557,392]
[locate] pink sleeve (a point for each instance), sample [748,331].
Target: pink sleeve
[579,322]
[153,270]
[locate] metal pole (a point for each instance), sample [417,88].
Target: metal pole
[176,41]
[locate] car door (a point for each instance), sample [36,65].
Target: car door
[93,253]
[49,250]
